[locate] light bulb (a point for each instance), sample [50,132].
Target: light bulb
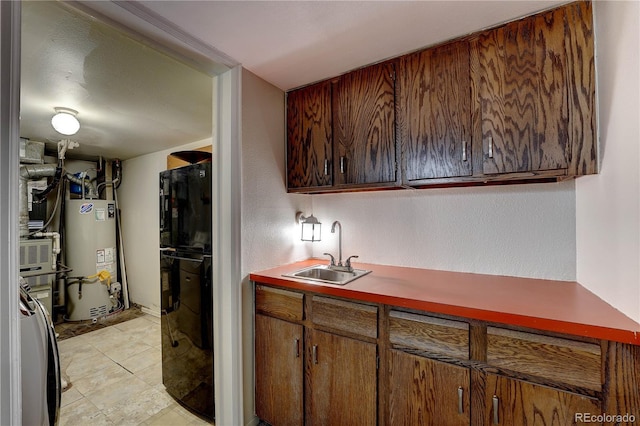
[65,121]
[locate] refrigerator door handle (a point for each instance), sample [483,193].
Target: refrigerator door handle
[188,259]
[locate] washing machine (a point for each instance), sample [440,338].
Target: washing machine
[41,384]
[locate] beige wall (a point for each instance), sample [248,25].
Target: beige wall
[268,212]
[138,200]
[518,230]
[608,205]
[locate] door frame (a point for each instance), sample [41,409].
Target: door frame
[226,216]
[10,365]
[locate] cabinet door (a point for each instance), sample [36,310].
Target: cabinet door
[524,95]
[364,126]
[508,97]
[309,137]
[279,373]
[434,112]
[514,402]
[427,392]
[342,380]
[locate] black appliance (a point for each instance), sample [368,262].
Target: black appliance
[185,280]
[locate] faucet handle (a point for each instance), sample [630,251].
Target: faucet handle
[333,260]
[348,262]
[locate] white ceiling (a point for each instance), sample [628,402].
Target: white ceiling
[293,43]
[134,100]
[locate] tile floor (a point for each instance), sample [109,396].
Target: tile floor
[115,378]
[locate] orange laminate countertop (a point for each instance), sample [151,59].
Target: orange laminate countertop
[557,306]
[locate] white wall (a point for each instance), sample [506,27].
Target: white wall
[138,200]
[269,234]
[519,230]
[608,205]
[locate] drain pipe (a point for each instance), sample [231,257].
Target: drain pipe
[56,246]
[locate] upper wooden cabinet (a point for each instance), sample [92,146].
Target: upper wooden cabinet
[512,103]
[434,113]
[309,137]
[341,133]
[364,126]
[536,92]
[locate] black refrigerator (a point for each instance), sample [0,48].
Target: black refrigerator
[185,280]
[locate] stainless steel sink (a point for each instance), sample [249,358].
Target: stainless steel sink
[325,274]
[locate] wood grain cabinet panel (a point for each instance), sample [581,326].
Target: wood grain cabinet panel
[342,380]
[537,93]
[309,137]
[364,126]
[427,392]
[561,360]
[279,303]
[514,402]
[434,113]
[434,335]
[279,371]
[342,315]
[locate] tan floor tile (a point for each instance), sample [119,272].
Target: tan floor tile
[82,364]
[107,340]
[72,345]
[138,324]
[122,390]
[126,350]
[102,378]
[70,396]
[152,335]
[139,407]
[168,416]
[82,413]
[151,375]
[100,364]
[142,360]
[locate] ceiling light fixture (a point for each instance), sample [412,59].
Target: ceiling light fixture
[65,121]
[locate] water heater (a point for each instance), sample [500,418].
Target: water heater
[90,242]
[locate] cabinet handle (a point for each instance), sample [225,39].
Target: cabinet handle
[496,418]
[314,350]
[464,150]
[490,147]
[342,164]
[460,405]
[297,343]
[326,167]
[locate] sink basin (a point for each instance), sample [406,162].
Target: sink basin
[324,274]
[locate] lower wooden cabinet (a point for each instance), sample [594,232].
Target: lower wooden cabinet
[515,402]
[279,371]
[341,381]
[427,392]
[327,361]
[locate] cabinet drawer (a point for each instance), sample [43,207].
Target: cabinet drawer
[345,316]
[279,303]
[553,358]
[437,335]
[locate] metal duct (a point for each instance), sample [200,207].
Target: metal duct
[30,172]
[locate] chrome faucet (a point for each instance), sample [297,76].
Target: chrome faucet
[333,231]
[339,267]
